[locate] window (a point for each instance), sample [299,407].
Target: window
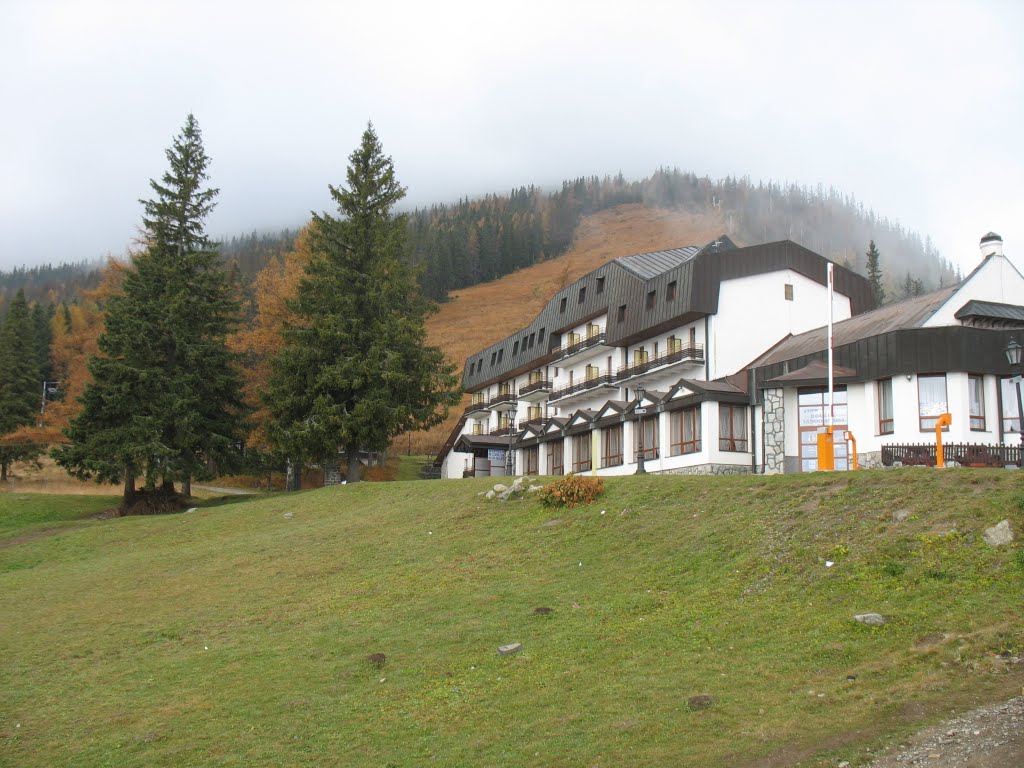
[493,355]
[583,294]
[976,388]
[562,303]
[686,431]
[931,400]
[885,422]
[650,299]
[645,438]
[534,413]
[640,356]
[532,336]
[732,427]
[556,464]
[600,285]
[540,336]
[501,354]
[622,313]
[612,447]
[472,366]
[581,448]
[674,344]
[515,348]
[693,338]
[670,294]
[593,372]
[789,291]
[1011,416]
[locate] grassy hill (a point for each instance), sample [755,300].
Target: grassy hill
[240,634]
[478,316]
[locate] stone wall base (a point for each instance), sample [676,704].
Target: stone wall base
[708,469]
[870,460]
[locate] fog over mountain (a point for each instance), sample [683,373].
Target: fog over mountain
[910,108]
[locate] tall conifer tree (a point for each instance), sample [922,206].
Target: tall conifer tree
[874,270]
[166,396]
[20,386]
[355,370]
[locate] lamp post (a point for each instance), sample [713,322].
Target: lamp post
[1013,350]
[640,411]
[509,462]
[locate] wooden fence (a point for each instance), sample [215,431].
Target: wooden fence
[964,454]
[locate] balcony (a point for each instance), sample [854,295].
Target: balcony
[504,401]
[583,388]
[479,405]
[689,354]
[534,422]
[593,340]
[535,390]
[504,429]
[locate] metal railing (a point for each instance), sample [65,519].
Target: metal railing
[693,353]
[964,454]
[581,386]
[534,386]
[578,346]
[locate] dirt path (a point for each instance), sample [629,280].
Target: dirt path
[989,737]
[225,491]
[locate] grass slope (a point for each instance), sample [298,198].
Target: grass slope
[238,636]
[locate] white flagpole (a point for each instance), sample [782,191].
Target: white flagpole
[830,395]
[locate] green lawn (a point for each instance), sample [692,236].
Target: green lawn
[237,636]
[24,512]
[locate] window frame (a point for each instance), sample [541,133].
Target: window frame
[921,417]
[883,422]
[731,442]
[680,446]
[611,437]
[978,421]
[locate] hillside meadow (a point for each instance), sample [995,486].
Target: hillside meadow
[242,633]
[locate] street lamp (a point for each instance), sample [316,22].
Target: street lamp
[509,463]
[1013,350]
[640,411]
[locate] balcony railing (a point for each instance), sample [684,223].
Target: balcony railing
[505,429]
[602,379]
[537,420]
[692,353]
[504,397]
[534,386]
[590,341]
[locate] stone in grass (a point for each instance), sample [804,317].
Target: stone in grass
[900,515]
[508,650]
[998,534]
[703,701]
[543,611]
[871,619]
[500,487]
[377,659]
[288,515]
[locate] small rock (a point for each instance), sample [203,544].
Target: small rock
[628,511]
[377,659]
[288,515]
[872,619]
[844,764]
[998,534]
[900,515]
[191,509]
[556,521]
[508,650]
[534,488]
[490,495]
[703,701]
[500,487]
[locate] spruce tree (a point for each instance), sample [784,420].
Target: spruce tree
[355,369]
[166,396]
[875,274]
[20,385]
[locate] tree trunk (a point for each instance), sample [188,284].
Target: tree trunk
[167,486]
[129,483]
[186,487]
[3,471]
[353,471]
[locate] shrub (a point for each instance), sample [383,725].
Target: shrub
[571,491]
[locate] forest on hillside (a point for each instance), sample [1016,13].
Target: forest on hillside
[472,241]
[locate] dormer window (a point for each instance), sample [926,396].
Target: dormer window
[622,313]
[583,294]
[561,305]
[650,300]
[600,285]
[670,294]
[515,348]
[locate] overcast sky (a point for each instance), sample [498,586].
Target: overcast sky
[916,109]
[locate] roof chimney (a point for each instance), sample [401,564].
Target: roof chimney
[991,245]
